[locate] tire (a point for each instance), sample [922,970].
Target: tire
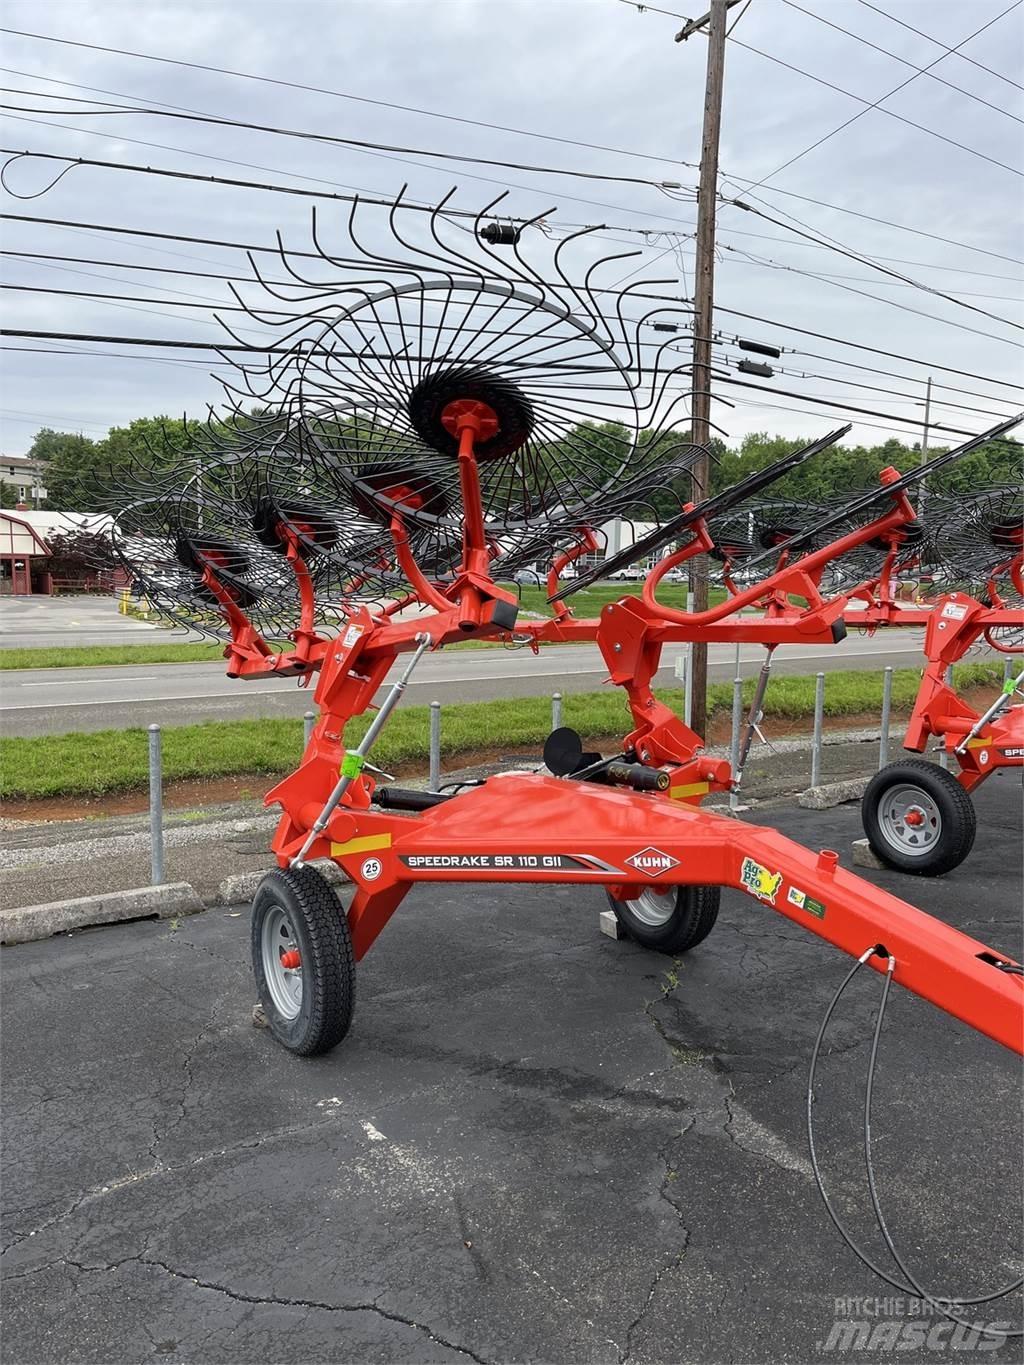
[670,921]
[308,1006]
[945,823]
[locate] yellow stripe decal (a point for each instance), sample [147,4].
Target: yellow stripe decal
[978,743]
[693,789]
[364,845]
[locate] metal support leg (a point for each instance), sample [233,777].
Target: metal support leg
[354,759]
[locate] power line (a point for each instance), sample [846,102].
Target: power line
[304,135]
[938,43]
[15,155]
[896,274]
[673,161]
[921,70]
[250,247]
[343,95]
[820,80]
[181,344]
[48,260]
[876,104]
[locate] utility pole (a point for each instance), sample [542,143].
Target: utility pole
[703,321]
[924,444]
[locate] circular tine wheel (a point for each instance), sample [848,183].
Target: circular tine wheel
[918,818]
[672,919]
[302,960]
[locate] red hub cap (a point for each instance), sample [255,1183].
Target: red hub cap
[291,959]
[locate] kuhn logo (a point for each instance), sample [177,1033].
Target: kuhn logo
[652,862]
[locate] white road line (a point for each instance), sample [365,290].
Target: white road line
[78,682]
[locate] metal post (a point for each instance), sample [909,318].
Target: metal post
[819,718]
[1007,670]
[734,742]
[556,710]
[308,721]
[156,808]
[434,781]
[922,492]
[883,743]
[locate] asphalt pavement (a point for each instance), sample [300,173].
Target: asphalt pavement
[49,622]
[53,701]
[536,1144]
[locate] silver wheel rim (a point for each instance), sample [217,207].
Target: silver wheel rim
[284,983]
[654,908]
[909,820]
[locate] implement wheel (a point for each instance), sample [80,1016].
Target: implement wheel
[918,818]
[671,919]
[302,960]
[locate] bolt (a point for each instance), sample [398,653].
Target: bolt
[617,648]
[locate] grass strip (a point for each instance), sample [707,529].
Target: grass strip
[116,760]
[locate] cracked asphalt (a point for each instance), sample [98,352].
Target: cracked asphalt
[536,1144]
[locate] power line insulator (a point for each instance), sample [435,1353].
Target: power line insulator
[665,326]
[759,348]
[755,367]
[501,234]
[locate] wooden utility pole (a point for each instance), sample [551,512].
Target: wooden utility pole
[703,322]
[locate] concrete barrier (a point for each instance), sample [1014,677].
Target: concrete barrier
[830,794]
[31,922]
[240,889]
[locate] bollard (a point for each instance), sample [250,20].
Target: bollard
[1007,670]
[734,742]
[308,721]
[434,781]
[556,710]
[819,717]
[883,743]
[156,808]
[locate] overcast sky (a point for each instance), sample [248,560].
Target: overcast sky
[596,71]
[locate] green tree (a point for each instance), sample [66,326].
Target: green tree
[69,459]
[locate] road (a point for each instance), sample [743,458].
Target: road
[62,622]
[54,701]
[536,1143]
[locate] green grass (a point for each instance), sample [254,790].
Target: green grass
[116,760]
[95,656]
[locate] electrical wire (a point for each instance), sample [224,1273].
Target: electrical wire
[876,104]
[674,161]
[820,80]
[938,43]
[750,317]
[358,144]
[940,1302]
[920,70]
[15,155]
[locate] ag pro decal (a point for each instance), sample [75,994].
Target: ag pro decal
[760,881]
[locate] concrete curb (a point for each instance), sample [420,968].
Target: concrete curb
[31,922]
[235,890]
[865,856]
[831,794]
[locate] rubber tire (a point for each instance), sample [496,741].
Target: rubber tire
[689,924]
[959,821]
[321,931]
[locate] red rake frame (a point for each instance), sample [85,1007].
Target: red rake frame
[537,829]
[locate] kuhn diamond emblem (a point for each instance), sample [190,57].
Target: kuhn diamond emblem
[652,862]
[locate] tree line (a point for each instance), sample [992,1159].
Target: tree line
[80,473]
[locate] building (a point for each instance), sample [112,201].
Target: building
[24,548]
[25,476]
